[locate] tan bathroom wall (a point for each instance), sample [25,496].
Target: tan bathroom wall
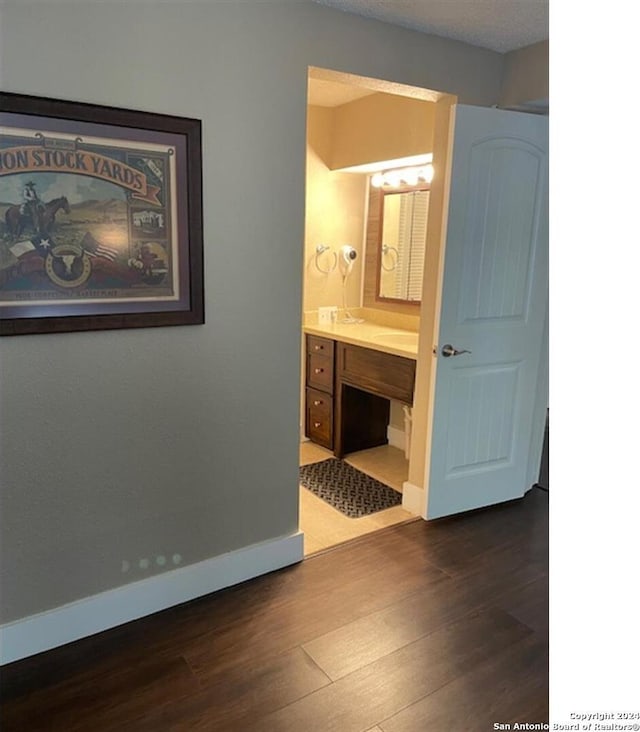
[335,210]
[381,127]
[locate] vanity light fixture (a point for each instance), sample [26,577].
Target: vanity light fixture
[403,176]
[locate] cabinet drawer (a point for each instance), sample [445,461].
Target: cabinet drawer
[320,402]
[319,418]
[320,346]
[320,372]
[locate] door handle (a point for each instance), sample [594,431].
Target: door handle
[449,350]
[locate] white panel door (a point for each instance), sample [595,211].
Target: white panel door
[494,300]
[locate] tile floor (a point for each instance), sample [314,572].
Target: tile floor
[323,525]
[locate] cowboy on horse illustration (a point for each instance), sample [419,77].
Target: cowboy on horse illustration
[32,203]
[33,210]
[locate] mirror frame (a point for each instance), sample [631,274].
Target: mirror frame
[378,260]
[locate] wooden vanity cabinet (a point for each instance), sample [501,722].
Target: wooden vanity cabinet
[319,392]
[348,389]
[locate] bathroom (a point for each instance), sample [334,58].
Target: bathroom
[358,289]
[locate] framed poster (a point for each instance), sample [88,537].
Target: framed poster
[100,217]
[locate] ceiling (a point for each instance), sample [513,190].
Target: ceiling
[328,88]
[499,25]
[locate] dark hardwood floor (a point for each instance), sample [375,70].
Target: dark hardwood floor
[438,627]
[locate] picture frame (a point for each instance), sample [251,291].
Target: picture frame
[100,217]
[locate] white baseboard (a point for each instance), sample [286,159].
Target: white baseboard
[396,437]
[82,618]
[413,499]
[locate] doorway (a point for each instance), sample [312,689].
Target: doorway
[358,128]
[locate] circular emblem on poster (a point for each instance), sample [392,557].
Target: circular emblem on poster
[68,266]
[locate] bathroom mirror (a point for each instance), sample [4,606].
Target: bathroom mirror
[403,236]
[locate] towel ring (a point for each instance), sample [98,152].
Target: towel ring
[385,250]
[320,249]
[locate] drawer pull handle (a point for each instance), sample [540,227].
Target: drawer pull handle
[319,348]
[317,402]
[317,424]
[318,371]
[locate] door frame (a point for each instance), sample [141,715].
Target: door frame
[414,497]
[415,489]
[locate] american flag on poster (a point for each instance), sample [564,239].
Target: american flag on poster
[95,249]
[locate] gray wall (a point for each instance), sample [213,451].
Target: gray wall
[526,76]
[128,444]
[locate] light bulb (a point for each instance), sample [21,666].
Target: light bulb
[410,176]
[427,173]
[393,178]
[377,180]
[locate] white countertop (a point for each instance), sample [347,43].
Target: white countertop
[370,335]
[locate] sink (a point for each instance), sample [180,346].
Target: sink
[404,338]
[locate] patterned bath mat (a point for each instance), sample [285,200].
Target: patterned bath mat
[353,493]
